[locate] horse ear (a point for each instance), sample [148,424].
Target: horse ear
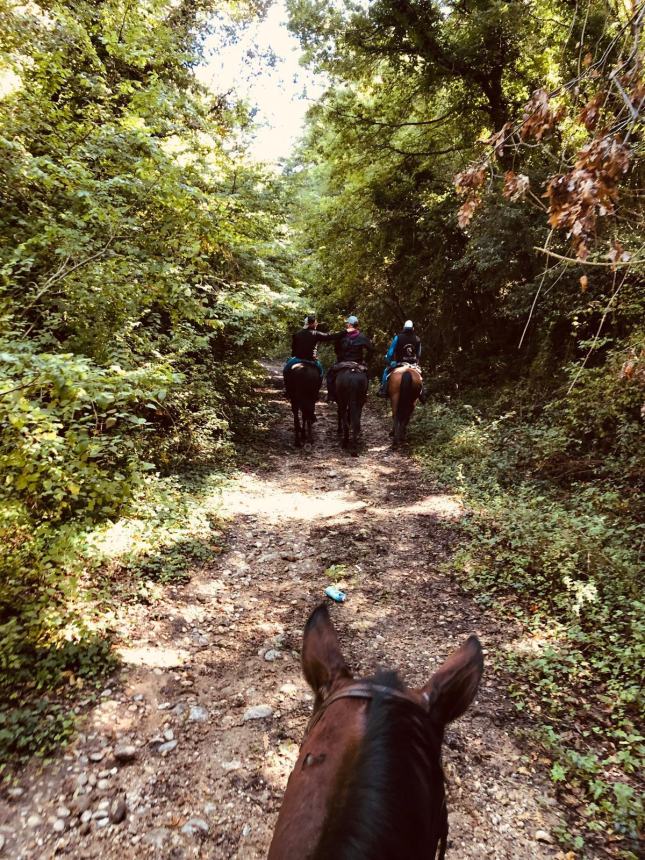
[453,686]
[322,660]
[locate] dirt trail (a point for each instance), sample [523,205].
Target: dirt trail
[211,700]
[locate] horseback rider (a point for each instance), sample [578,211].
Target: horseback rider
[352,346]
[404,349]
[304,347]
[304,344]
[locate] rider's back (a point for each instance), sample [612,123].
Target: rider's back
[354,348]
[304,344]
[407,346]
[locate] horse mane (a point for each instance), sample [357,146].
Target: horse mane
[389,803]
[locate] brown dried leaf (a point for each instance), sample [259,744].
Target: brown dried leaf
[587,192]
[471,179]
[466,211]
[497,141]
[590,113]
[538,118]
[628,369]
[615,251]
[515,185]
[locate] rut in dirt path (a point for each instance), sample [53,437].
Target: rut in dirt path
[198,734]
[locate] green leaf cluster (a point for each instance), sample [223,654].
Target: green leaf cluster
[144,268]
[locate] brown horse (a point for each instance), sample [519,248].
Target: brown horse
[403,388]
[368,783]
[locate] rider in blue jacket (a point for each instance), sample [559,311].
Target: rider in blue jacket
[405,348]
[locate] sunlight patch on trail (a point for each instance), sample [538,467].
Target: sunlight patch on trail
[438,505]
[257,497]
[154,657]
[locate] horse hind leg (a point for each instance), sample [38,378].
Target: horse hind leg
[296,425]
[308,426]
[343,421]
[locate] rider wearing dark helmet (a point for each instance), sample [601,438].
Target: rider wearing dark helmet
[353,346]
[304,343]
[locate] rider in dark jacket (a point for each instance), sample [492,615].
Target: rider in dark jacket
[352,346]
[304,343]
[405,348]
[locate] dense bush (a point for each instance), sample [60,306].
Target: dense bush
[143,270]
[564,558]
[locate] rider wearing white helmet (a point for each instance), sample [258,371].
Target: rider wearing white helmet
[405,348]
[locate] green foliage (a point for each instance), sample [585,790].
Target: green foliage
[70,426]
[337,573]
[143,270]
[51,643]
[564,559]
[60,585]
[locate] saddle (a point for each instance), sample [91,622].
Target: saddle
[301,361]
[411,364]
[351,365]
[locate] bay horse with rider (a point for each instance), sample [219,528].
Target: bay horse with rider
[348,381]
[402,381]
[303,374]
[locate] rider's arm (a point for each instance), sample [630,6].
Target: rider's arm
[389,355]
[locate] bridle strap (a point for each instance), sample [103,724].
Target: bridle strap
[366,692]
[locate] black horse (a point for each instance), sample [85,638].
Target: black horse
[302,384]
[351,393]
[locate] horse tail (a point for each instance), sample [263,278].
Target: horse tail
[355,410]
[406,398]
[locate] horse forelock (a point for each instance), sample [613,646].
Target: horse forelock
[389,805]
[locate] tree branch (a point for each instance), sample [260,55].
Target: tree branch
[366,121]
[576,262]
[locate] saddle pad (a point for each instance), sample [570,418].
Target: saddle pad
[410,364]
[300,362]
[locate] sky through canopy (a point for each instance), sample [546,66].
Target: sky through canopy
[262,67]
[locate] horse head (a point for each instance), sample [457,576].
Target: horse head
[368,781]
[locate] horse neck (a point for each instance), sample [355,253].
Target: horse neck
[328,752]
[392,803]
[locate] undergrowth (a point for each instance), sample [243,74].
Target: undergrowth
[74,553]
[553,537]
[62,587]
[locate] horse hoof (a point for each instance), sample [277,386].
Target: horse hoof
[308,447]
[354,453]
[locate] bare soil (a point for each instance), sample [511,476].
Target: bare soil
[197,661]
